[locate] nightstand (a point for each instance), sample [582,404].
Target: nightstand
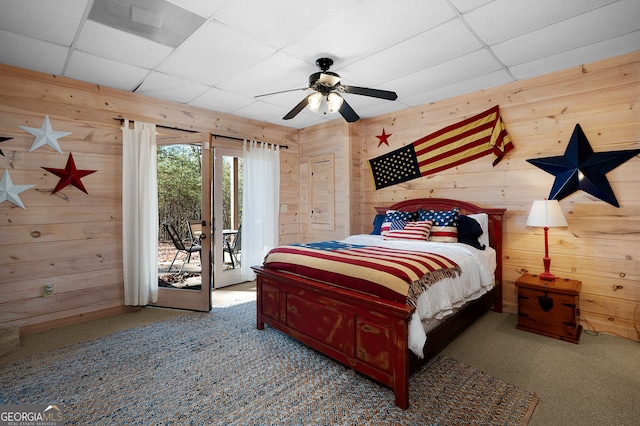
[549,308]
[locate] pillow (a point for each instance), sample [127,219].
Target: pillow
[417,231]
[469,231]
[377,223]
[395,219]
[445,224]
[483,220]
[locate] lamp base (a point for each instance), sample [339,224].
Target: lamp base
[547,276]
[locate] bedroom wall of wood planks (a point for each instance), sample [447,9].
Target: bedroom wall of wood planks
[79,244]
[74,240]
[600,247]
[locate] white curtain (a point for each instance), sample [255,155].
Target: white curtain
[260,204]
[139,214]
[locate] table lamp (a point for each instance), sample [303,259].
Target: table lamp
[546,214]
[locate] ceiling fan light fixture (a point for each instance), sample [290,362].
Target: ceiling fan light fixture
[315,101]
[334,102]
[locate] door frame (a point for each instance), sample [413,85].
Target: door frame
[196,300]
[221,277]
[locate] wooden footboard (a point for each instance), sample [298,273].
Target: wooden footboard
[362,332]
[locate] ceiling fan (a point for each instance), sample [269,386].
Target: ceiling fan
[326,85]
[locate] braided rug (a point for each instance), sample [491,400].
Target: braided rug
[217,368]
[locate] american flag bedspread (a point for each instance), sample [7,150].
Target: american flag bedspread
[437,300]
[399,275]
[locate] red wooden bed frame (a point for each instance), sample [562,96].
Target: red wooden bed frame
[363,332]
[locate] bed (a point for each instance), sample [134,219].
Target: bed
[365,332]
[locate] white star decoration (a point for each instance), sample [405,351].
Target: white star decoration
[9,191]
[45,135]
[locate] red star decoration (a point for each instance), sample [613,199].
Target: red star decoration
[383,138]
[70,175]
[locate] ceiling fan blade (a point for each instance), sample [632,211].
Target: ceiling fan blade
[296,109]
[282,91]
[348,113]
[374,93]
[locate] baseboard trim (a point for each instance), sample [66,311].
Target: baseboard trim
[75,319]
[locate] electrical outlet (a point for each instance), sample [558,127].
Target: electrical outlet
[47,290]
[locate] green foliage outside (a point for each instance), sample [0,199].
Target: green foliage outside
[179,187]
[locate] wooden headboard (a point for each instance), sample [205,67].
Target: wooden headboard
[495,219]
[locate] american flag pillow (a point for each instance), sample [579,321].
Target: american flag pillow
[445,224]
[394,220]
[412,231]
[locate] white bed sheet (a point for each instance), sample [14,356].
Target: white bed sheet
[446,296]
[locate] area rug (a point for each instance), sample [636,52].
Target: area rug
[217,368]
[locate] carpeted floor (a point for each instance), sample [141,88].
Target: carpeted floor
[217,368]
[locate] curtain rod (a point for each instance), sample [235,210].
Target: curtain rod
[196,131]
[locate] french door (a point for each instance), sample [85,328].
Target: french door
[195,299]
[227,216]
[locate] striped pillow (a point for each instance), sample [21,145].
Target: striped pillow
[417,231]
[395,219]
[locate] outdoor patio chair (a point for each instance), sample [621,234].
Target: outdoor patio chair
[180,246]
[233,247]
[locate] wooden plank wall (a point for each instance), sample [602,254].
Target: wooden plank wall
[327,138]
[71,239]
[601,245]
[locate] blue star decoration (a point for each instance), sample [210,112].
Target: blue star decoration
[581,168]
[45,135]
[9,191]
[2,139]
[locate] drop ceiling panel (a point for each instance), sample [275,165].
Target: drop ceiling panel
[445,42]
[139,51]
[171,88]
[55,21]
[570,34]
[204,8]
[370,27]
[213,54]
[104,72]
[467,67]
[605,49]
[219,100]
[504,19]
[31,54]
[277,23]
[276,73]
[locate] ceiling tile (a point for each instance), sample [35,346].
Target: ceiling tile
[53,20]
[470,66]
[594,52]
[139,51]
[32,54]
[467,5]
[462,88]
[570,34]
[104,72]
[204,8]
[371,26]
[504,19]
[213,54]
[219,100]
[171,88]
[278,23]
[438,45]
[278,72]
